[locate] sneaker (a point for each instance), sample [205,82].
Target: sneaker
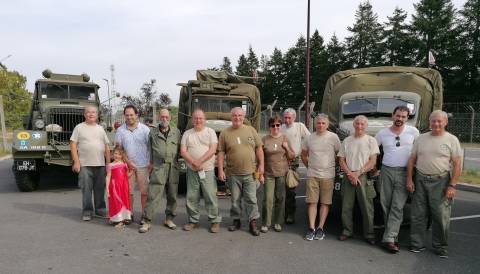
[310,236]
[214,228]
[417,249]
[442,253]
[86,218]
[190,226]
[145,227]
[290,220]
[235,226]
[319,234]
[264,229]
[170,224]
[253,228]
[277,227]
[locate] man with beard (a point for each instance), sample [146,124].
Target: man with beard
[397,141]
[165,142]
[436,157]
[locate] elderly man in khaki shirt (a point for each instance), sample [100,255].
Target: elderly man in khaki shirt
[436,157]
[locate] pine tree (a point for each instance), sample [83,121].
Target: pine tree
[242,67]
[294,82]
[336,58]
[364,45]
[272,84]
[252,61]
[226,65]
[397,40]
[318,64]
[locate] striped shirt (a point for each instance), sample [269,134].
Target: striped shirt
[135,142]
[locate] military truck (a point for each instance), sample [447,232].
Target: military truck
[217,92]
[375,92]
[57,107]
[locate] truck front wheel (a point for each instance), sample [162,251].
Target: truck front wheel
[26,181]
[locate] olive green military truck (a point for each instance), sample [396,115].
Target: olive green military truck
[375,92]
[216,93]
[57,107]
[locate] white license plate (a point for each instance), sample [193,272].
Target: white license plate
[25,165]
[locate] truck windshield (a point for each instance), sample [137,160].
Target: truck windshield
[59,91]
[375,106]
[215,104]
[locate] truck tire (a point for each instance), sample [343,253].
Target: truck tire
[26,181]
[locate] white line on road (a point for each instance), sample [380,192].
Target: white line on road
[464,217]
[472,159]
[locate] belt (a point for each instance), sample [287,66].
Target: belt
[434,176]
[395,167]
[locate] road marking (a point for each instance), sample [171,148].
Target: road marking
[465,217]
[472,159]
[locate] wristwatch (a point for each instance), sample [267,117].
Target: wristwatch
[453,186]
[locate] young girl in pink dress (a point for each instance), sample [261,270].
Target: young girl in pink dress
[119,208]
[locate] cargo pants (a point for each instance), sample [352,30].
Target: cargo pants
[209,191]
[393,196]
[365,192]
[273,208]
[429,198]
[244,191]
[164,177]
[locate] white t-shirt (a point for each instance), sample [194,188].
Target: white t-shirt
[296,134]
[357,151]
[198,143]
[394,156]
[91,141]
[322,153]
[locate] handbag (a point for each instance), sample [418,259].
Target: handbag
[292,178]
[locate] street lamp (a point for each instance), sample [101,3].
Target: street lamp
[109,104]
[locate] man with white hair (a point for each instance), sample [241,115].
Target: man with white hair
[242,149]
[436,157]
[296,133]
[358,155]
[90,153]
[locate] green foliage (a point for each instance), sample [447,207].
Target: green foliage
[147,98]
[398,43]
[242,68]
[226,65]
[16,99]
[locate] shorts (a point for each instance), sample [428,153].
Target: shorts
[319,189]
[140,178]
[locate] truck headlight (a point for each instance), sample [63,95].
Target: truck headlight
[39,124]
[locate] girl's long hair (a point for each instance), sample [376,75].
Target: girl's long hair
[122,152]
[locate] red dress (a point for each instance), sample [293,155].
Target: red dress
[119,208]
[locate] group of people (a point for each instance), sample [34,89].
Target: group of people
[426,166]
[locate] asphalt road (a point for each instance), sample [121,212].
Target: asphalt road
[472,159]
[41,232]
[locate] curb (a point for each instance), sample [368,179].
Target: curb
[5,157]
[468,187]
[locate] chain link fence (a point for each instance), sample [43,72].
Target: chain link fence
[464,120]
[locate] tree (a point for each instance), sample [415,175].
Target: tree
[318,64]
[226,65]
[273,73]
[293,92]
[468,52]
[363,45]
[336,56]
[397,40]
[252,61]
[147,98]
[242,67]
[16,99]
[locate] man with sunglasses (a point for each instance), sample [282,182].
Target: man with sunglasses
[396,141]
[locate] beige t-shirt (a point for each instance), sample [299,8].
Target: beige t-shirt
[296,134]
[198,143]
[239,148]
[322,151]
[435,153]
[357,151]
[91,141]
[276,162]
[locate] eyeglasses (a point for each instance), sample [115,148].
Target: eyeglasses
[398,141]
[275,125]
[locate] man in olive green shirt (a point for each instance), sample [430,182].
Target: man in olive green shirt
[165,142]
[242,148]
[436,157]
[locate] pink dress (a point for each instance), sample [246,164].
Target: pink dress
[119,208]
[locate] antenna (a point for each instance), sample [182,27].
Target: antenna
[113,88]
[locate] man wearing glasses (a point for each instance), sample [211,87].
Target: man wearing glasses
[396,141]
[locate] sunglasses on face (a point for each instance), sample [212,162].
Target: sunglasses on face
[275,125]
[397,138]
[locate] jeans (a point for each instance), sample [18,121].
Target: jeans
[92,179]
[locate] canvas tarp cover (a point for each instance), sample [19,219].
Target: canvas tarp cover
[425,82]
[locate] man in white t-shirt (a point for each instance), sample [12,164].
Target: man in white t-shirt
[436,157]
[198,147]
[90,153]
[396,141]
[296,133]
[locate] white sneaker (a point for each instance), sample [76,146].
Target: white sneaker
[264,229]
[144,228]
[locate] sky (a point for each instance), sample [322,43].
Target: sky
[163,40]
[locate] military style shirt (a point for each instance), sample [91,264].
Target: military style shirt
[164,150]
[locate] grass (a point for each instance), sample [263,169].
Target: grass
[3,153]
[470,145]
[470,177]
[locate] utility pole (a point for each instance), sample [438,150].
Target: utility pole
[307,71]
[109,124]
[2,121]
[112,83]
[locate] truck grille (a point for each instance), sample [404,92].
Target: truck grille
[67,119]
